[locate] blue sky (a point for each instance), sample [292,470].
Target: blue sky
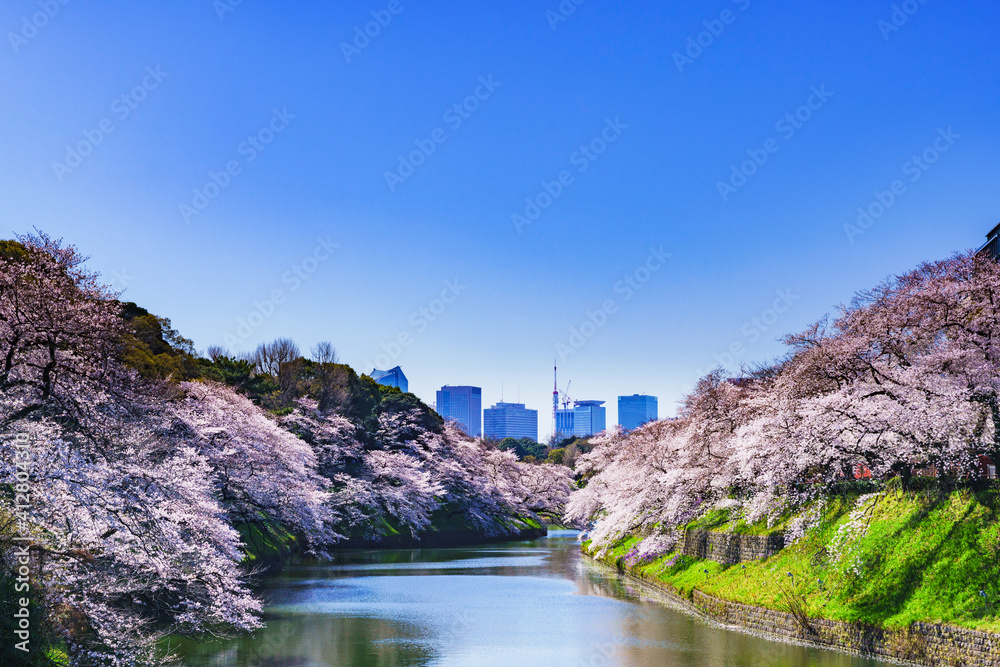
[301,224]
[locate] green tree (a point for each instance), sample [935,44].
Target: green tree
[155,349]
[525,448]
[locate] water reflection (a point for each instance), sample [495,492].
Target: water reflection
[529,603]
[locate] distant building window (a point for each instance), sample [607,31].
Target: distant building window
[991,472]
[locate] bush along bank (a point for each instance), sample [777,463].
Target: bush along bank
[447,528]
[910,576]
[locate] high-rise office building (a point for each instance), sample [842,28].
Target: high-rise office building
[564,423]
[589,418]
[583,419]
[464,405]
[510,420]
[636,410]
[392,378]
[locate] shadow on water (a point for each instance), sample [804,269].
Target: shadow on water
[511,605]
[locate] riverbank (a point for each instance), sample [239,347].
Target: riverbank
[438,536]
[269,552]
[902,576]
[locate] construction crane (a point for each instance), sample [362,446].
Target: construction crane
[566,400]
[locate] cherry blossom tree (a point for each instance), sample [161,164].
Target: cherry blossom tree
[264,474]
[405,472]
[123,525]
[60,333]
[906,377]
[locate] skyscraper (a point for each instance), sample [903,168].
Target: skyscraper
[583,419]
[392,378]
[636,410]
[564,423]
[510,420]
[464,405]
[589,418]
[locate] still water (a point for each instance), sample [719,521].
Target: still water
[506,605]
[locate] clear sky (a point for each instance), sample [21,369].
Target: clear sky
[618,120]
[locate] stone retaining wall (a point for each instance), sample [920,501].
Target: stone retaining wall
[928,644]
[923,643]
[729,548]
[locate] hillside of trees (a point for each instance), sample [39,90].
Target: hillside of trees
[143,484]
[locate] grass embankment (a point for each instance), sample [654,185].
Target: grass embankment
[912,557]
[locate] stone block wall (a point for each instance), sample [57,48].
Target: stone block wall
[922,643]
[729,548]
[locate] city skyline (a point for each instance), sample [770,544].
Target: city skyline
[448,410]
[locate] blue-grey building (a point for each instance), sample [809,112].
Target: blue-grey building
[564,423]
[510,420]
[392,378]
[636,410]
[464,405]
[585,418]
[589,418]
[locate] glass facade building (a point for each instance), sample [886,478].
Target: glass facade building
[510,420]
[564,423]
[636,410]
[589,418]
[585,418]
[464,405]
[391,378]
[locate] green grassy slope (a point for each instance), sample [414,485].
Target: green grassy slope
[914,557]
